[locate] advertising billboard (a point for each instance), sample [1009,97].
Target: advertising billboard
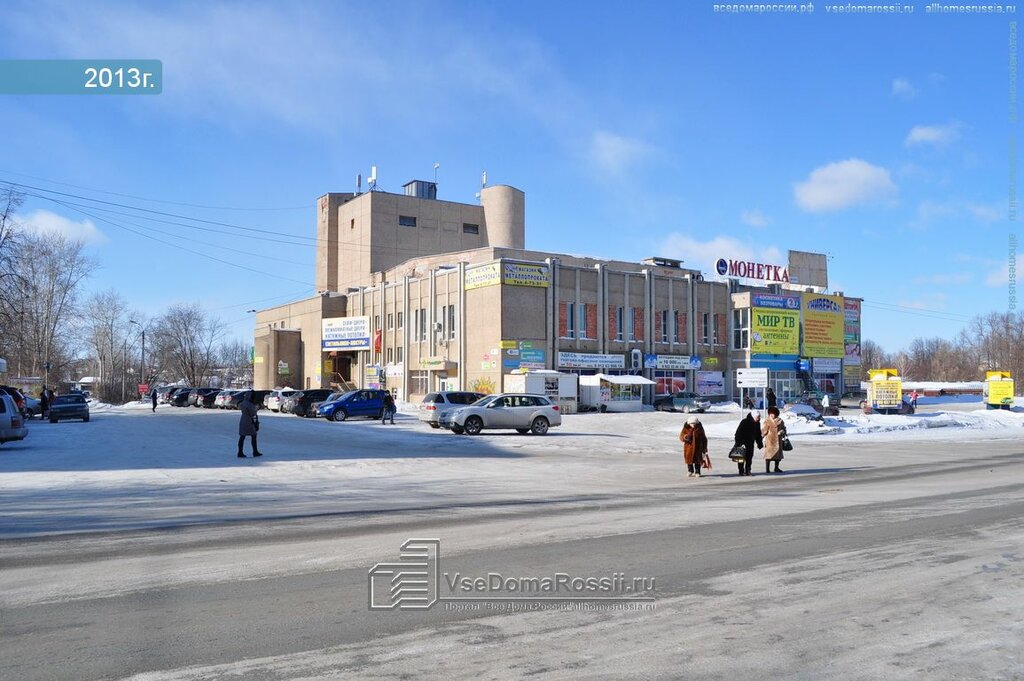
[851,332]
[710,383]
[508,273]
[346,333]
[584,360]
[824,318]
[484,275]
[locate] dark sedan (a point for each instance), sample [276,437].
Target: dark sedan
[257,398]
[179,398]
[206,397]
[303,405]
[69,407]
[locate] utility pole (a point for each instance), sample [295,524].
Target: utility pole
[124,363]
[142,371]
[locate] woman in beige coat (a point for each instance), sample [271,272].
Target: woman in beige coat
[771,430]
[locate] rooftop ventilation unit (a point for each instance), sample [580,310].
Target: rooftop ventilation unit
[421,189]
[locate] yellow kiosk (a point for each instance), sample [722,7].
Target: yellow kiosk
[998,390]
[885,390]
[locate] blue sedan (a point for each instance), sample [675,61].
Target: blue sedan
[353,403]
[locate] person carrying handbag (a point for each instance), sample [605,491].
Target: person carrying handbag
[695,445]
[773,431]
[248,425]
[748,432]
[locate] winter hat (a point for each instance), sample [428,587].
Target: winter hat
[756,415]
[692,420]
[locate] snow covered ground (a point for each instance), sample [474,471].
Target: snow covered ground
[129,468]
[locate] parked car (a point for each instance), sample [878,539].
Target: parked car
[223,395]
[16,395]
[353,403]
[306,402]
[684,402]
[814,402]
[288,401]
[522,412]
[179,398]
[206,397]
[854,399]
[235,399]
[69,406]
[33,407]
[435,405]
[276,398]
[12,423]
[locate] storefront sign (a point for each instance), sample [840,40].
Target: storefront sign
[394,370]
[484,275]
[827,366]
[676,362]
[650,361]
[372,373]
[346,333]
[851,376]
[435,363]
[775,302]
[282,368]
[509,344]
[258,359]
[746,269]
[774,331]
[824,319]
[520,274]
[583,360]
[851,331]
[710,383]
[532,359]
[710,361]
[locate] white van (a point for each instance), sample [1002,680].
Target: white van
[12,425]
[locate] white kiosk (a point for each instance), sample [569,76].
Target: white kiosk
[607,392]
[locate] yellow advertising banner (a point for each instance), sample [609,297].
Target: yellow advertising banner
[484,275]
[774,332]
[1000,392]
[824,318]
[509,345]
[886,394]
[519,274]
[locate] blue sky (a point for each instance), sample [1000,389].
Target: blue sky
[666,130]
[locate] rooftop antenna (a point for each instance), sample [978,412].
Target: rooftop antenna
[436,166]
[371,181]
[359,183]
[483,180]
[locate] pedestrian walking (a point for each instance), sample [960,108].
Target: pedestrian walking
[44,404]
[913,398]
[747,434]
[152,396]
[695,445]
[771,399]
[772,431]
[388,412]
[248,425]
[825,404]
[748,403]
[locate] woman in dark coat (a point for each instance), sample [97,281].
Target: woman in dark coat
[248,424]
[747,433]
[770,399]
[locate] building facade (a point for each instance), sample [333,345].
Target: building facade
[418,295]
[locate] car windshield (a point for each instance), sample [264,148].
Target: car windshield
[484,401]
[69,399]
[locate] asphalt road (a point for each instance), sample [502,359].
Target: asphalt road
[908,585]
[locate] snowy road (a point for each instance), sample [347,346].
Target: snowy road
[875,557]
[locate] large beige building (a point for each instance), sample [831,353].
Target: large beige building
[417,294]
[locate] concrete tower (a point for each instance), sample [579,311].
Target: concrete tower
[505,214]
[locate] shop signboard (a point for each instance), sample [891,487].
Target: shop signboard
[747,269]
[775,302]
[283,369]
[827,365]
[677,362]
[851,375]
[650,361]
[584,360]
[484,275]
[999,389]
[394,370]
[775,330]
[346,333]
[710,383]
[522,274]
[851,332]
[885,389]
[372,373]
[531,359]
[824,319]
[751,378]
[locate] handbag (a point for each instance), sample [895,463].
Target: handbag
[706,463]
[787,446]
[256,423]
[738,453]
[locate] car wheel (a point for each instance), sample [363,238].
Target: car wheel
[539,426]
[435,425]
[457,429]
[474,424]
[339,415]
[522,431]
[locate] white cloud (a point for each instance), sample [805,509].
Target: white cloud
[615,155]
[901,87]
[755,218]
[933,301]
[934,135]
[998,276]
[945,279]
[44,222]
[986,212]
[928,211]
[843,184]
[703,254]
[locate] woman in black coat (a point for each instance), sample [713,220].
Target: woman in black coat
[747,433]
[248,424]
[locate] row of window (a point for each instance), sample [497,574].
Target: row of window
[629,323]
[410,221]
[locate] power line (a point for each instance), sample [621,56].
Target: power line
[143,198]
[919,309]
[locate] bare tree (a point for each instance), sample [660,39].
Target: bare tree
[185,340]
[112,340]
[235,362]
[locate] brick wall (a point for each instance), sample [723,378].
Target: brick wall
[638,317]
[613,329]
[563,322]
[682,328]
[591,321]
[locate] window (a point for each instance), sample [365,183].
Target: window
[741,329]
[399,355]
[618,323]
[451,322]
[470,229]
[352,225]
[705,328]
[632,323]
[391,320]
[418,382]
[406,221]
[581,323]
[401,320]
[376,322]
[664,325]
[570,320]
[423,324]
[390,356]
